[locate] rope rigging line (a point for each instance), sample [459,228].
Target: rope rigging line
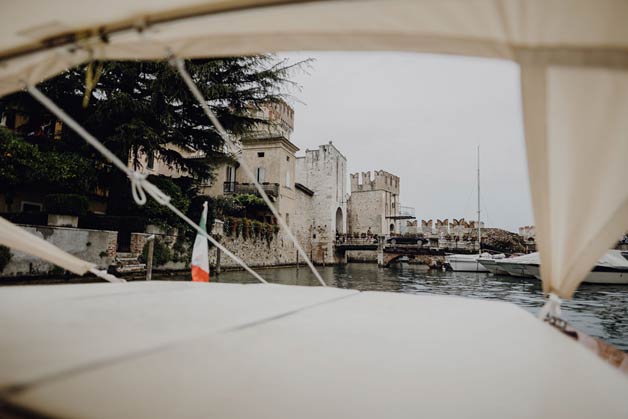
[106,276]
[140,186]
[180,66]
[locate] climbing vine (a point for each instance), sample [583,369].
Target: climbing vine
[249,229]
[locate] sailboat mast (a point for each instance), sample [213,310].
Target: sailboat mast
[479,222]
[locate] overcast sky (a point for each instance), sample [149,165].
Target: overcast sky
[421,118]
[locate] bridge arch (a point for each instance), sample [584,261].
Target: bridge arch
[391,257]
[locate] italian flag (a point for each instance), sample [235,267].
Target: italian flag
[200,252]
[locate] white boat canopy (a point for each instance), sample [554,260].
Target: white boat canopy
[574,73]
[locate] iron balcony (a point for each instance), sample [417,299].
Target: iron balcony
[271,189]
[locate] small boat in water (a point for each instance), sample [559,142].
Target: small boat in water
[465,263]
[492,265]
[526,266]
[612,268]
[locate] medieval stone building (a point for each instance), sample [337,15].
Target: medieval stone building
[321,208]
[374,203]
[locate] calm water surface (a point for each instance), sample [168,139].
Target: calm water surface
[598,310]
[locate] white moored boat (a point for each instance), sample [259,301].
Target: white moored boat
[612,268]
[490,263]
[525,266]
[465,263]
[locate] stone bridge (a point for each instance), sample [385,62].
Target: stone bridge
[387,252]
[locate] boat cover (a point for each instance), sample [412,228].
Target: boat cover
[574,75]
[614,259]
[195,350]
[529,259]
[610,259]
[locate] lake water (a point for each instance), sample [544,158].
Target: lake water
[598,310]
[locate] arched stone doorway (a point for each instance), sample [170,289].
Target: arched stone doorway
[392,228]
[339,222]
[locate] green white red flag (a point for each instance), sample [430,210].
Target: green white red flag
[200,252]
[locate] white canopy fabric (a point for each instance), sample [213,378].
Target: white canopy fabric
[574,68]
[20,239]
[194,350]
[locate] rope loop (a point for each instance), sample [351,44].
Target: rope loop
[140,186]
[551,309]
[137,189]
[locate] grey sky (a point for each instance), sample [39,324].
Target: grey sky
[421,117]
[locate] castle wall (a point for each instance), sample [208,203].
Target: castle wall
[374,198]
[323,171]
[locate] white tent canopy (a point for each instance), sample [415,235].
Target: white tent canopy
[573,55]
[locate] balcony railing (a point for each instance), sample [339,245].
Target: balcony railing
[409,211]
[271,189]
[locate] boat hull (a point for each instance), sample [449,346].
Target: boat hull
[607,277]
[518,270]
[604,276]
[465,263]
[493,267]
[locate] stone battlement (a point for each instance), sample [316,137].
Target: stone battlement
[379,180]
[455,226]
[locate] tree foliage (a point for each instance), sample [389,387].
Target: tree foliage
[141,109]
[25,165]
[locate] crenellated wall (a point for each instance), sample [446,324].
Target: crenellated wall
[374,203]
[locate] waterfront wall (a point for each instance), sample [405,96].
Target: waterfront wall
[100,247]
[97,246]
[256,252]
[362,256]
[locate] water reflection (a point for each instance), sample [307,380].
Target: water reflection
[599,310]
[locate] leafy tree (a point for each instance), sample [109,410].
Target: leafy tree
[157,213]
[141,109]
[23,164]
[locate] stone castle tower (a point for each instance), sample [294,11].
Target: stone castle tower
[323,171]
[374,203]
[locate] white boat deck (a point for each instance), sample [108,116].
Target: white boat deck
[193,350]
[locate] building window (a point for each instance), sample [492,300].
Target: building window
[287,219]
[288,180]
[260,154]
[31,206]
[150,164]
[287,158]
[260,175]
[230,177]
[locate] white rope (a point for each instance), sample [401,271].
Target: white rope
[106,276]
[551,308]
[140,186]
[180,66]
